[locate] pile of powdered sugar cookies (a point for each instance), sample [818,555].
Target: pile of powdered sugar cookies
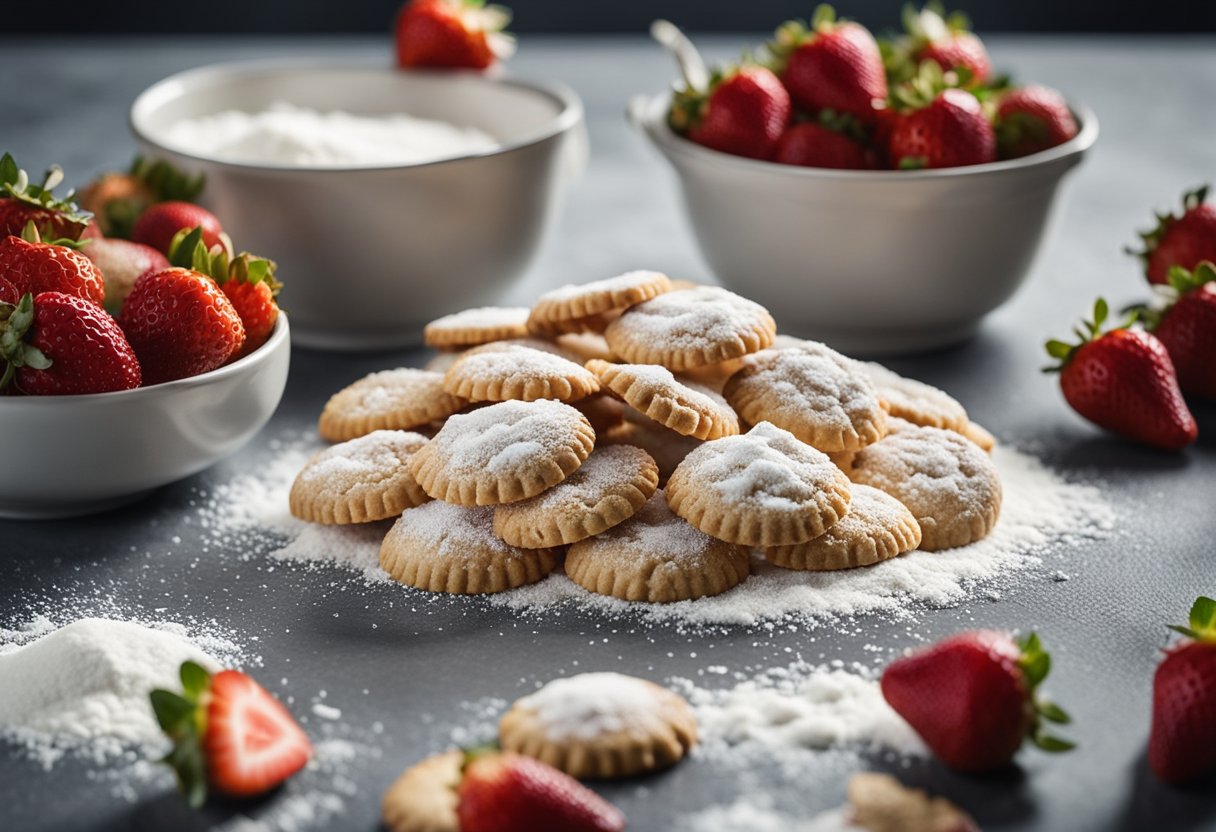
[648,437]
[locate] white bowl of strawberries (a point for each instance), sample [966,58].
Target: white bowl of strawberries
[880,200]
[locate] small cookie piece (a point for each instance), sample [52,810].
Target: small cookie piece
[600,725]
[477,326]
[945,480]
[440,547]
[665,446]
[915,401]
[360,480]
[880,803]
[688,408]
[502,453]
[511,372]
[602,411]
[813,392]
[978,434]
[586,307]
[607,489]
[691,328]
[878,527]
[763,488]
[423,798]
[658,558]
[398,399]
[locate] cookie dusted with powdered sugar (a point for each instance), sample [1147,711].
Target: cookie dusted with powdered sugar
[360,480]
[592,306]
[688,408]
[512,372]
[399,399]
[477,326]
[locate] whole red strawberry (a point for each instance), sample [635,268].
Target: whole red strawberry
[1123,380]
[816,146]
[452,33]
[253,289]
[117,200]
[180,324]
[1030,119]
[832,65]
[1182,743]
[972,698]
[157,226]
[744,112]
[1184,240]
[948,132]
[1187,328]
[34,266]
[229,735]
[948,41]
[507,792]
[54,344]
[23,202]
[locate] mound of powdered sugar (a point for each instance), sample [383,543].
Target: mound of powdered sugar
[590,704]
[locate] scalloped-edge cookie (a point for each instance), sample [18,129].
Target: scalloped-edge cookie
[658,558]
[423,798]
[504,452]
[360,480]
[607,489]
[878,527]
[477,326]
[601,725]
[512,372]
[398,399]
[575,308]
[440,547]
[688,408]
[917,402]
[761,488]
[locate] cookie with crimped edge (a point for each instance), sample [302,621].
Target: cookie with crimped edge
[684,406]
[658,558]
[441,547]
[477,326]
[360,480]
[949,484]
[423,798]
[691,328]
[761,488]
[586,306]
[513,372]
[398,399]
[607,489]
[980,435]
[600,725]
[813,392]
[664,445]
[878,527]
[504,452]
[915,401]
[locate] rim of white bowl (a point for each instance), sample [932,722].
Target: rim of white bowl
[172,86]
[650,115]
[281,333]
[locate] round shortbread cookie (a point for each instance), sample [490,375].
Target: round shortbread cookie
[691,328]
[878,527]
[762,488]
[915,401]
[813,392]
[978,434]
[502,453]
[423,798]
[656,557]
[949,484]
[607,489]
[880,803]
[688,408]
[603,411]
[360,480]
[397,399]
[574,308]
[512,372]
[442,547]
[477,326]
[600,725]
[541,344]
[665,446]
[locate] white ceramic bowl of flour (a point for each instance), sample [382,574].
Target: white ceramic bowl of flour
[388,198]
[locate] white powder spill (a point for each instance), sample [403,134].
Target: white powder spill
[757,814]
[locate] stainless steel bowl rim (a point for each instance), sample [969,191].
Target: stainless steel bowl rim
[570,114]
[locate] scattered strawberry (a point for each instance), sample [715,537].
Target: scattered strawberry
[1180,241]
[118,199]
[972,698]
[948,41]
[121,263]
[158,225]
[833,65]
[1187,328]
[945,129]
[506,792]
[228,734]
[743,112]
[1030,119]
[34,266]
[55,344]
[1182,744]
[452,33]
[816,146]
[23,202]
[1123,380]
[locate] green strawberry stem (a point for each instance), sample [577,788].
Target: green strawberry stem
[1202,621]
[188,251]
[1087,331]
[1035,663]
[31,234]
[165,181]
[15,321]
[15,184]
[183,718]
[1151,238]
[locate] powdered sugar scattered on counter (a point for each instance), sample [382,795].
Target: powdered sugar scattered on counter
[757,814]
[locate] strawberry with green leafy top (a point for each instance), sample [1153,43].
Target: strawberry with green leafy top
[1031,119]
[118,199]
[1187,328]
[1182,744]
[937,125]
[457,34]
[23,202]
[34,266]
[948,41]
[743,111]
[1184,240]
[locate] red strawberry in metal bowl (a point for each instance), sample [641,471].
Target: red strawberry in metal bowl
[1031,119]
[744,111]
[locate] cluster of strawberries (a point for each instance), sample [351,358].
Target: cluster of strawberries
[1131,380]
[831,95]
[139,289]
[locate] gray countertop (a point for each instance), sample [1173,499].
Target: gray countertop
[409,666]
